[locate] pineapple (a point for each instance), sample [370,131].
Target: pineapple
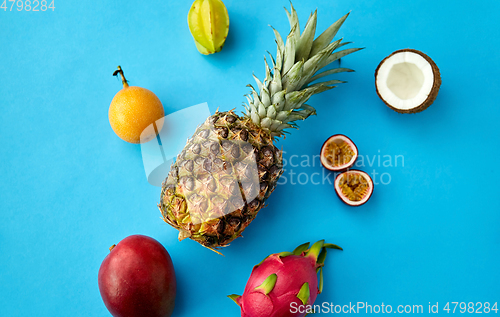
[230,166]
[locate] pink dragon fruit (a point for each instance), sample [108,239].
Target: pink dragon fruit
[284,284]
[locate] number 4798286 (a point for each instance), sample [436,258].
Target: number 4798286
[28,5]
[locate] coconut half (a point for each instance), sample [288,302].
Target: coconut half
[407,81]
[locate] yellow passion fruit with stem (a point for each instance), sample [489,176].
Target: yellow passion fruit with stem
[132,110]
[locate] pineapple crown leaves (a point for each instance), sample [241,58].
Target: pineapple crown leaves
[279,100]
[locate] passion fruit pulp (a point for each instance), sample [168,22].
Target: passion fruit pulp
[354,187]
[338,153]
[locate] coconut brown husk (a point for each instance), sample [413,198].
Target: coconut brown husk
[435,87]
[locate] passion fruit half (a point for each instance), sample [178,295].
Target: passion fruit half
[338,153]
[354,187]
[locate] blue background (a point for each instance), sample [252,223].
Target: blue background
[70,188]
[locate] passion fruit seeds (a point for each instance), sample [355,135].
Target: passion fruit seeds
[354,187]
[338,153]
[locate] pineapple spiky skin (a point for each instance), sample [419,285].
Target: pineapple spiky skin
[230,166]
[221,180]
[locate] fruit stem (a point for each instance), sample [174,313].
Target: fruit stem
[120,71]
[112,247]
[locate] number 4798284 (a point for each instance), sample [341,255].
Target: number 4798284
[471,307]
[28,5]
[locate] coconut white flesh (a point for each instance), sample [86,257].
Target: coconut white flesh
[405,80]
[339,139]
[365,198]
